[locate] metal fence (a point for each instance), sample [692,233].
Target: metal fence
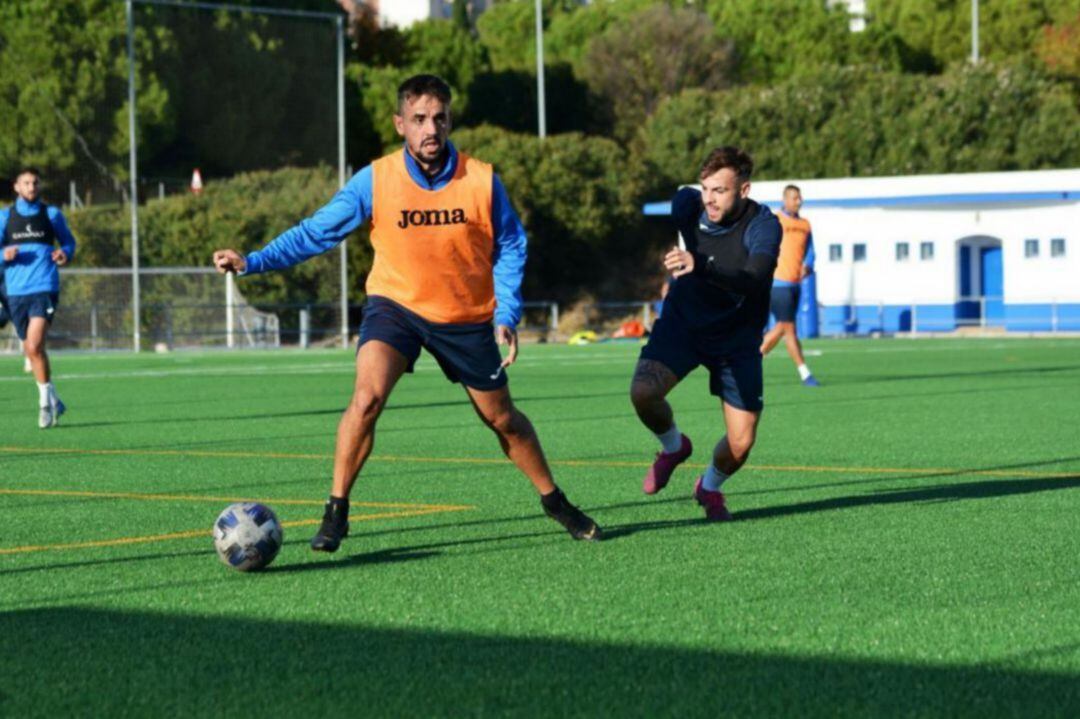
[193,307]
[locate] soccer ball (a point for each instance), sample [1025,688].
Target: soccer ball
[247,536]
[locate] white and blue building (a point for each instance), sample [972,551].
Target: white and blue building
[939,252]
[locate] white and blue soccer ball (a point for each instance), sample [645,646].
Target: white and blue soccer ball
[247,536]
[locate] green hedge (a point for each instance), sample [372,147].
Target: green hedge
[244,213]
[853,122]
[580,196]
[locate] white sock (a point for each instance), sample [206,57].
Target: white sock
[44,389]
[712,479]
[804,371]
[672,440]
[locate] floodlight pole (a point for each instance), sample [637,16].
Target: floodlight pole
[132,159]
[341,176]
[541,111]
[974,32]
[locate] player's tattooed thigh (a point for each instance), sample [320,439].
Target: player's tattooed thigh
[654,375]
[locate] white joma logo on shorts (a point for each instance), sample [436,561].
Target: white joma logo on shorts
[497,373]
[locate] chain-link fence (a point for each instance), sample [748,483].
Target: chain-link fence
[221,88]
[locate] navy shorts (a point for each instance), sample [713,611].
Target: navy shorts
[785,303]
[467,353]
[23,307]
[735,374]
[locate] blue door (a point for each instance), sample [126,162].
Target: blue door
[993,285]
[967,308]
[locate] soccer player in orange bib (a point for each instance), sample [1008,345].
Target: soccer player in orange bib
[449,259]
[796,262]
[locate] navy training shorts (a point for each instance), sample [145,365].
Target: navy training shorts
[466,352]
[23,307]
[735,373]
[784,303]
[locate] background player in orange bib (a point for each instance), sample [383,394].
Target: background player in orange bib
[796,262]
[449,259]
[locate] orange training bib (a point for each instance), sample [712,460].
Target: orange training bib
[434,249]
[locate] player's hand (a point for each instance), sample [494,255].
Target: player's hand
[507,336]
[229,261]
[679,262]
[59,257]
[10,252]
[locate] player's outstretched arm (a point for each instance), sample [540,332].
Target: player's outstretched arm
[330,224]
[229,261]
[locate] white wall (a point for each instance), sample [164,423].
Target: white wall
[402,13]
[942,209]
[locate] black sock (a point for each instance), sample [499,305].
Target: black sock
[554,500]
[341,504]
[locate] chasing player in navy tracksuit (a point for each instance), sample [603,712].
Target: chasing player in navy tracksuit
[31,232]
[713,316]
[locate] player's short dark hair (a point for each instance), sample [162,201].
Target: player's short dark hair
[27,170]
[420,85]
[730,157]
[789,188]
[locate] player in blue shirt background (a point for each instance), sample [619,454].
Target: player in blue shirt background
[31,232]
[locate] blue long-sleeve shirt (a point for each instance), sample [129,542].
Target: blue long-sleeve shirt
[33,269]
[351,207]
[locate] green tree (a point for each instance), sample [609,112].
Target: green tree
[508,31]
[1058,47]
[856,122]
[780,38]
[654,53]
[378,96]
[578,198]
[941,30]
[442,48]
[569,33]
[248,210]
[434,46]
[63,87]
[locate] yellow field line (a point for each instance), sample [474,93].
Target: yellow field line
[206,533]
[205,498]
[556,462]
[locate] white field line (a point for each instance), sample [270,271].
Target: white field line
[615,356]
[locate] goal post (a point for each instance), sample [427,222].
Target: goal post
[157,14]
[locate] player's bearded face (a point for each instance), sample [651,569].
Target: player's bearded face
[27,186]
[424,122]
[723,194]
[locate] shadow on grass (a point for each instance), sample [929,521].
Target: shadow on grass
[942,493]
[914,475]
[69,660]
[157,556]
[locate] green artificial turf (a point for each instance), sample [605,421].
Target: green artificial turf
[907,542]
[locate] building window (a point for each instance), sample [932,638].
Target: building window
[1057,247]
[836,253]
[902,251]
[858,252]
[1031,248]
[926,251]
